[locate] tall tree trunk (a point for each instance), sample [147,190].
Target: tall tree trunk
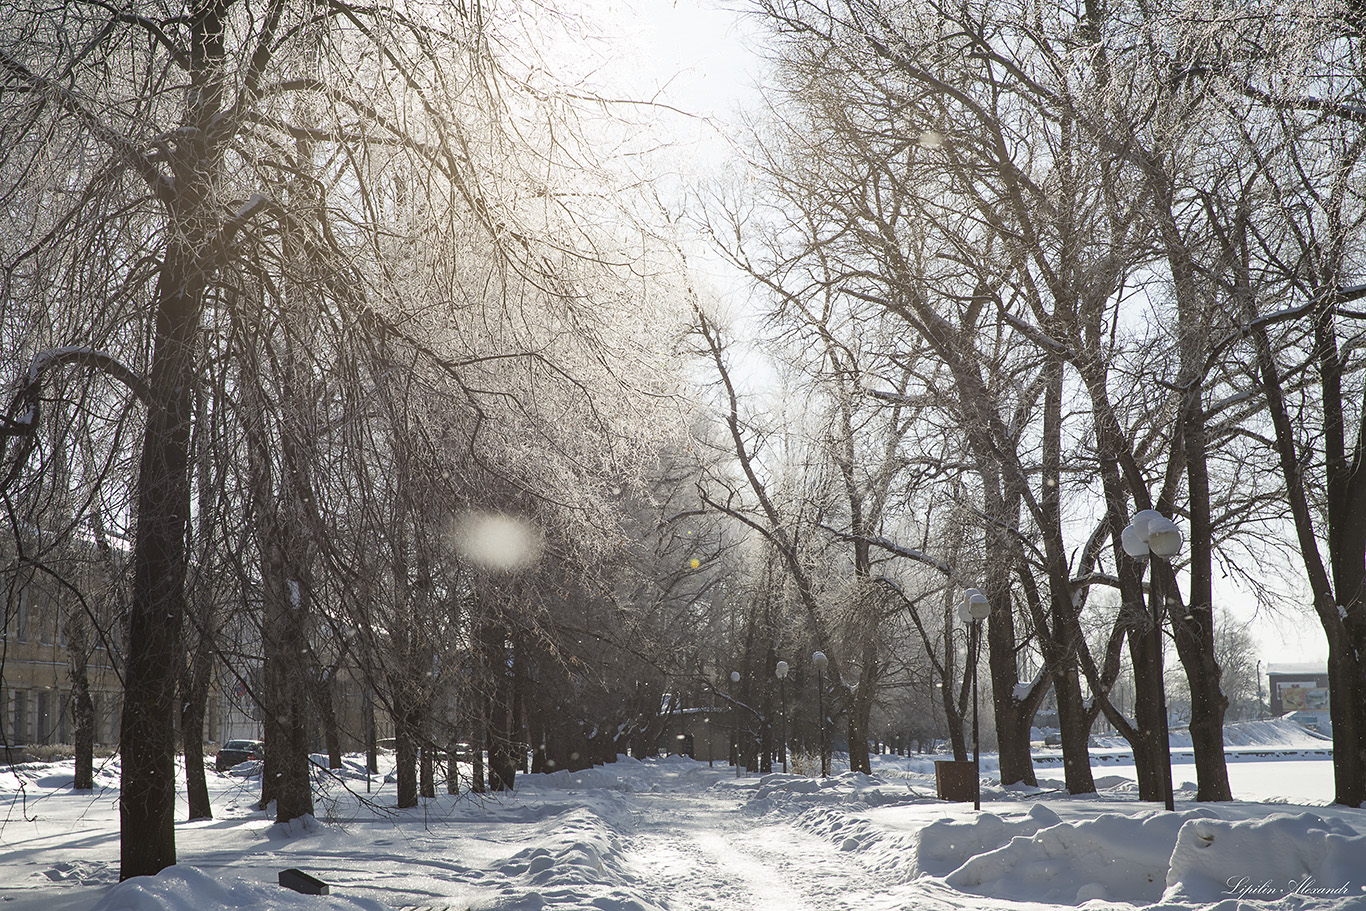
[405,746]
[427,769]
[82,706]
[193,709]
[861,709]
[156,614]
[1013,714]
[371,737]
[157,607]
[286,696]
[1347,689]
[1060,633]
[1152,753]
[498,722]
[452,769]
[1193,628]
[477,744]
[1119,472]
[326,711]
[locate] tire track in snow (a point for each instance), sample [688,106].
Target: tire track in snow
[702,853]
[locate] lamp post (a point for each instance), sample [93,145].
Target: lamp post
[1149,533]
[974,609]
[735,720]
[820,662]
[780,671]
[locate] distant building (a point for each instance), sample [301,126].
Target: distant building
[36,702]
[1301,691]
[35,675]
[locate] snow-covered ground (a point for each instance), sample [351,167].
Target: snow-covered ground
[675,834]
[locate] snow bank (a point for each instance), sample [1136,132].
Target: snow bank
[579,866]
[941,846]
[295,828]
[783,789]
[1182,859]
[185,888]
[1277,733]
[1267,859]
[587,779]
[1112,857]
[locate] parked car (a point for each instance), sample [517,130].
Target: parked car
[239,751]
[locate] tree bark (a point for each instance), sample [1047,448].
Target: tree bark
[452,769]
[193,708]
[1060,634]
[324,702]
[1347,690]
[283,639]
[1193,629]
[156,614]
[405,746]
[157,609]
[427,769]
[82,706]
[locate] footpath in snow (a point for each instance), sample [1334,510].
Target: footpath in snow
[676,835]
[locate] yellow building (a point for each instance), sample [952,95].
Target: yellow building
[35,669]
[45,609]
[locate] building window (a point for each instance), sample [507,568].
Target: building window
[44,718]
[65,707]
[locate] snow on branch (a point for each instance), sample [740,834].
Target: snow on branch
[894,548]
[24,413]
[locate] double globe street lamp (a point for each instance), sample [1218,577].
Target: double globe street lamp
[780,671]
[735,750]
[973,609]
[1149,533]
[820,663]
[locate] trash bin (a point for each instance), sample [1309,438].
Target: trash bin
[955,780]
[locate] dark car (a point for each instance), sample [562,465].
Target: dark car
[239,751]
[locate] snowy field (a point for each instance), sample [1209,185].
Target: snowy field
[674,834]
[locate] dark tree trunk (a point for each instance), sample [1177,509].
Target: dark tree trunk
[1060,632]
[156,614]
[766,729]
[452,769]
[286,699]
[1075,731]
[327,715]
[502,760]
[499,734]
[193,709]
[1194,633]
[957,739]
[371,739]
[1012,714]
[477,762]
[157,608]
[405,746]
[861,709]
[1193,628]
[1347,532]
[1152,751]
[1118,470]
[427,770]
[82,706]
